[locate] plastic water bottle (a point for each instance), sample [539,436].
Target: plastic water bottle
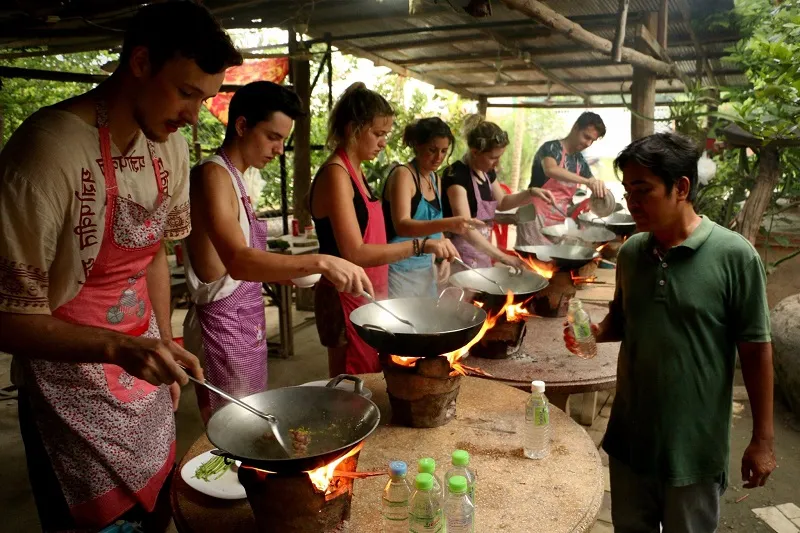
[425,512]
[537,423]
[396,496]
[459,511]
[428,466]
[461,468]
[582,329]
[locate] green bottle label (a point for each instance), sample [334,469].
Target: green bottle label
[541,416]
[583,330]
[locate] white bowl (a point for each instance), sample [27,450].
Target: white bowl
[307,281]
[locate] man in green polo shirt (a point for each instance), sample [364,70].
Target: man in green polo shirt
[689,294]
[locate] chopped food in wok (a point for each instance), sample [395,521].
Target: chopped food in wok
[301,439]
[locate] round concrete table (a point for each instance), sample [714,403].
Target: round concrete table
[543,356]
[561,493]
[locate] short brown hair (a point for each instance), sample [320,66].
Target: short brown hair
[358,106]
[587,119]
[181,28]
[484,136]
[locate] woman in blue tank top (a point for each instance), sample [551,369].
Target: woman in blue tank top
[413,208]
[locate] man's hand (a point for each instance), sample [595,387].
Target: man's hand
[597,187]
[346,276]
[569,338]
[155,361]
[758,462]
[175,394]
[441,248]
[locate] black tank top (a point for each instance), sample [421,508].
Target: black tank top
[323,226]
[415,200]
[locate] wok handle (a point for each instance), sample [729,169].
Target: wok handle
[359,383]
[460,298]
[225,455]
[373,327]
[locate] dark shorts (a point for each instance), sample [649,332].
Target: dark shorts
[54,513]
[330,316]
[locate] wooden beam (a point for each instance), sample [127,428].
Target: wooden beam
[643,92]
[619,37]
[567,105]
[561,24]
[483,103]
[301,79]
[663,24]
[398,69]
[644,37]
[454,58]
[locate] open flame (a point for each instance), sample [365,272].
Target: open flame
[582,279]
[546,270]
[600,248]
[322,476]
[513,312]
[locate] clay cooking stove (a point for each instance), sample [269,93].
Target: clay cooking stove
[317,501]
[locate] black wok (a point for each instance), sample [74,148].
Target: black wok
[336,420]
[523,285]
[564,257]
[443,325]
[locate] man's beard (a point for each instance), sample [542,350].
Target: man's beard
[149,133]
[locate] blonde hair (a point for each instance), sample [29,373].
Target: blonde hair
[358,106]
[482,135]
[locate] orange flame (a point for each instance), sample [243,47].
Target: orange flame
[582,279]
[546,270]
[513,312]
[600,248]
[322,476]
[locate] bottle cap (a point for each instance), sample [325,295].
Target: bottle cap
[424,481]
[458,485]
[460,458]
[537,386]
[427,465]
[398,468]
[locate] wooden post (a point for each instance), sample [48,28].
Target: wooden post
[483,104]
[198,151]
[516,157]
[301,80]
[619,38]
[643,90]
[663,24]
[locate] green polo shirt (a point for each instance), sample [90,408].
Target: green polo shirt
[680,319]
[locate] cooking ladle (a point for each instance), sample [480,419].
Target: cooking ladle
[479,273]
[369,297]
[280,434]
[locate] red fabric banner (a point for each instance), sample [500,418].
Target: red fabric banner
[271,69]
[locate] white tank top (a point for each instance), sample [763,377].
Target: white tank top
[205,293]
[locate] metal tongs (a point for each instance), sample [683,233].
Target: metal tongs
[369,297]
[280,433]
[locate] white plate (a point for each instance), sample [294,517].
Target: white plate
[348,386]
[227,487]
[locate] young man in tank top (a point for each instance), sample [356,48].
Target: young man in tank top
[89,189]
[227,257]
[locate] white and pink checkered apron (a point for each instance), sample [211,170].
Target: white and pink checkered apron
[234,328]
[485,213]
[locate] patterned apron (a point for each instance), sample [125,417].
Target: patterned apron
[110,437]
[485,212]
[360,357]
[234,328]
[416,276]
[530,233]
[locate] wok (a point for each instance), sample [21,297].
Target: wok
[522,285]
[443,325]
[565,257]
[593,235]
[620,222]
[336,420]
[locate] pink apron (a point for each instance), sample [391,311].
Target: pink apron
[234,328]
[109,436]
[530,233]
[485,212]
[360,357]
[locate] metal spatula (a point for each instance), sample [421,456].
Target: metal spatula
[369,297]
[478,272]
[281,435]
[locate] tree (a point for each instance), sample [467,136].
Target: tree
[768,108]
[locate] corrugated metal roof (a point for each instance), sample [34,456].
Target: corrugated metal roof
[449,47]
